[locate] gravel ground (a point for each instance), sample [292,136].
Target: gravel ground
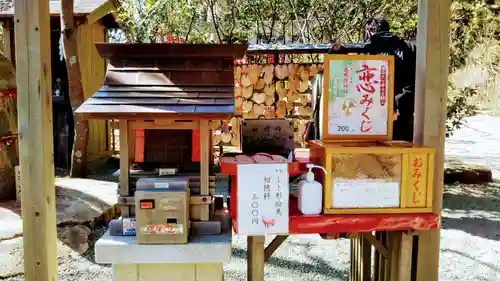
[470,239]
[470,247]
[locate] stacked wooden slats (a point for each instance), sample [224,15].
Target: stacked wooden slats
[270,91]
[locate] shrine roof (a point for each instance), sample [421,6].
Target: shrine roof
[149,81]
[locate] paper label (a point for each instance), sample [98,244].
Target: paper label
[166,171]
[129,226]
[263,199]
[365,193]
[171,228]
[357,97]
[160,185]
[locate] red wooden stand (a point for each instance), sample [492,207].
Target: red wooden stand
[334,224]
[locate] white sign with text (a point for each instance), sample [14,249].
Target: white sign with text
[362,193]
[262,199]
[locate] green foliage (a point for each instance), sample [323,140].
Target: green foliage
[230,21]
[459,107]
[146,21]
[473,22]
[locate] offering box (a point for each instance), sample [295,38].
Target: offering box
[374,177]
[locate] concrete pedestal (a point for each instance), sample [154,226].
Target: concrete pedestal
[199,260]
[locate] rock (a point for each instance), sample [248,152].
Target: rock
[11,225]
[11,257]
[456,171]
[83,200]
[75,237]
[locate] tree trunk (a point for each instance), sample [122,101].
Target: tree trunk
[79,155]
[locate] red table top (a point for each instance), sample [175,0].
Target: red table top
[334,224]
[294,168]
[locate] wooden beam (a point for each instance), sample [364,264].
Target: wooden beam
[36,152]
[165,125]
[131,144]
[124,159]
[273,246]
[377,244]
[433,41]
[365,260]
[7,43]
[205,156]
[97,14]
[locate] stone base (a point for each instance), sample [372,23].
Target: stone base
[201,259]
[168,272]
[199,249]
[456,171]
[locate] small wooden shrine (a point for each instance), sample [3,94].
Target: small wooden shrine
[167,87]
[174,91]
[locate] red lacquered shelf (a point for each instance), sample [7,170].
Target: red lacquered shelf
[334,224]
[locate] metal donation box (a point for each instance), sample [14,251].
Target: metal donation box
[162,211]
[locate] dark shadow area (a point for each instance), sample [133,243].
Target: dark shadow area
[319,266]
[101,170]
[104,170]
[476,197]
[96,234]
[481,227]
[471,205]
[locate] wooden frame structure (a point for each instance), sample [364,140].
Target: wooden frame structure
[38,202]
[92,19]
[168,87]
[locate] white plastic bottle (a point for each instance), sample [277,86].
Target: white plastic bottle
[311,193]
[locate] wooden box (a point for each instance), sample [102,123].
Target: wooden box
[162,215]
[374,177]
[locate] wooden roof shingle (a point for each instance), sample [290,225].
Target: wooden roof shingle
[149,81]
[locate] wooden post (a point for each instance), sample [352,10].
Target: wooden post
[255,261]
[75,86]
[205,156]
[36,153]
[124,159]
[430,113]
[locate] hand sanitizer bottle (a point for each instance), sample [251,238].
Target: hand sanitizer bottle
[311,193]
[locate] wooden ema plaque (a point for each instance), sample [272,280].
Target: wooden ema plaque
[379,177]
[357,97]
[273,136]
